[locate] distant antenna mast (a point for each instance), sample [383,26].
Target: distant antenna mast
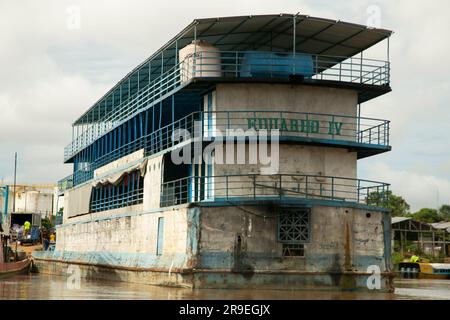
[437,197]
[15,180]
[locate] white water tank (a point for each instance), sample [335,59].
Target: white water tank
[199,59]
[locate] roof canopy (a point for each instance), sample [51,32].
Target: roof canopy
[280,33]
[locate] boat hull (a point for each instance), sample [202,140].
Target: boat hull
[424,270]
[13,268]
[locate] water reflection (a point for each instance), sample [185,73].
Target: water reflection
[42,286]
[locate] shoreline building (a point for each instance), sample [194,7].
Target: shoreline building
[134,212]
[28,202]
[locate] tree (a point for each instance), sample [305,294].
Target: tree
[398,206]
[47,223]
[427,215]
[444,212]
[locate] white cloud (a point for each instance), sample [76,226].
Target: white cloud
[419,190]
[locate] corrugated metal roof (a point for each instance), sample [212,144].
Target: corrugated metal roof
[441,225]
[399,219]
[263,33]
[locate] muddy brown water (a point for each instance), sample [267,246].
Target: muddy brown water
[49,287]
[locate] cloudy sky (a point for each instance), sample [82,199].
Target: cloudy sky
[51,71]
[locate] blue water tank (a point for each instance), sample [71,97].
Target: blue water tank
[275,65]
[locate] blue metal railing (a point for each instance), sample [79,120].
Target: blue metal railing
[234,64]
[291,124]
[59,219]
[273,187]
[118,200]
[254,64]
[65,184]
[300,124]
[127,192]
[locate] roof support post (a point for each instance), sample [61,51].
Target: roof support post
[138,84]
[195,50]
[294,31]
[294,27]
[162,62]
[173,113]
[361,68]
[359,123]
[176,52]
[99,121]
[120,92]
[129,86]
[113,107]
[150,71]
[388,49]
[104,122]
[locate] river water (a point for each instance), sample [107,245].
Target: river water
[48,287]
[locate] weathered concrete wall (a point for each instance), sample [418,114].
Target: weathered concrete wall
[152,183]
[105,214]
[286,97]
[232,247]
[293,162]
[127,239]
[48,263]
[331,112]
[342,239]
[295,159]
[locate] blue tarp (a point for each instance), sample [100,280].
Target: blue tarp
[270,64]
[35,233]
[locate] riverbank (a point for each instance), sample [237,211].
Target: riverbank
[50,287]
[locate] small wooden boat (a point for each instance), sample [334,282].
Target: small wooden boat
[424,270]
[13,268]
[7,267]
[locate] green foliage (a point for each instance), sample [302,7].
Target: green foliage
[439,258]
[398,206]
[397,257]
[413,248]
[427,215]
[47,223]
[444,212]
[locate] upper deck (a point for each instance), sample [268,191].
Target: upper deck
[267,48]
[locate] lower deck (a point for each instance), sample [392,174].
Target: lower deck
[270,245]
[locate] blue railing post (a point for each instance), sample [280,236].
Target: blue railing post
[332,126]
[226,186]
[357,191]
[379,134]
[306,187]
[237,64]
[280,188]
[307,125]
[180,191]
[280,122]
[332,188]
[388,132]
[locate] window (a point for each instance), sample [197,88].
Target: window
[294,230]
[129,191]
